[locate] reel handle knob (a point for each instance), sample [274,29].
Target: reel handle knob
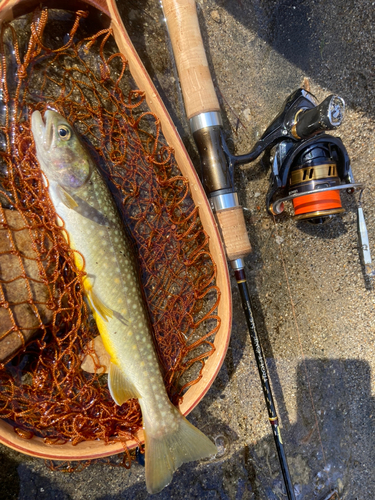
[327,116]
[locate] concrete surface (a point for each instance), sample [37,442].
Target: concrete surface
[321,359]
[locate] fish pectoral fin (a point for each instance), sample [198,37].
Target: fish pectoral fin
[66,198]
[98,306]
[120,388]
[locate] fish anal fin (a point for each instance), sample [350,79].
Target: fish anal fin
[66,198]
[166,452]
[120,388]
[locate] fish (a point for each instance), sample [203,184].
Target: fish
[83,201]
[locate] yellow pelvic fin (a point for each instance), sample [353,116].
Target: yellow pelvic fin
[96,303]
[66,198]
[120,388]
[100,357]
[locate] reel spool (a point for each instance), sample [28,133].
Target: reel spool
[314,169]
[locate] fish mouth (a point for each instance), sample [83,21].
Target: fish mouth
[43,128]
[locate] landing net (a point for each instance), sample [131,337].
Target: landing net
[44,391]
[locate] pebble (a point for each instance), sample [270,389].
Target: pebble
[216,16]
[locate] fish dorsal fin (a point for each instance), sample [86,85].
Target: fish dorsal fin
[120,387]
[99,357]
[96,303]
[66,198]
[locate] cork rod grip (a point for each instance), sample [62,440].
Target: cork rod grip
[234,233]
[195,77]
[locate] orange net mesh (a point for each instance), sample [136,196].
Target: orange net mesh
[44,391]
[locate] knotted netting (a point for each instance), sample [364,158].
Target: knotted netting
[50,60]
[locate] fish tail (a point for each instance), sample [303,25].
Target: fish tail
[164,454]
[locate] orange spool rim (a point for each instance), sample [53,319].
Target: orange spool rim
[318,202]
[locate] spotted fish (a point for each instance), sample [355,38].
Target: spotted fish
[83,201]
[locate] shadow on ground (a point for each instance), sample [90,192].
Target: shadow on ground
[334,457]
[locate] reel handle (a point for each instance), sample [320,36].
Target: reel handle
[327,116]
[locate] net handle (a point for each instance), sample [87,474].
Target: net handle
[195,77]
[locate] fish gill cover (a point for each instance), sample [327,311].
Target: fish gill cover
[49,60]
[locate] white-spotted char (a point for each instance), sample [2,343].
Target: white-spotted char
[83,201]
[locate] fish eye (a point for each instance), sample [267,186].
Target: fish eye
[64,132]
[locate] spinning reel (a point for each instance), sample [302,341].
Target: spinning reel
[309,167]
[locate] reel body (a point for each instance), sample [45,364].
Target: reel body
[311,174]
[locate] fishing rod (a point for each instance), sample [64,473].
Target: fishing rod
[203,111]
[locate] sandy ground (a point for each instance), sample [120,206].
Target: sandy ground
[313,308]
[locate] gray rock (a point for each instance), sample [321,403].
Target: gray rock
[21,287]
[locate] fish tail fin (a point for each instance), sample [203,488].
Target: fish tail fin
[165,453]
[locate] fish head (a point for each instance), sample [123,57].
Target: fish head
[61,155]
